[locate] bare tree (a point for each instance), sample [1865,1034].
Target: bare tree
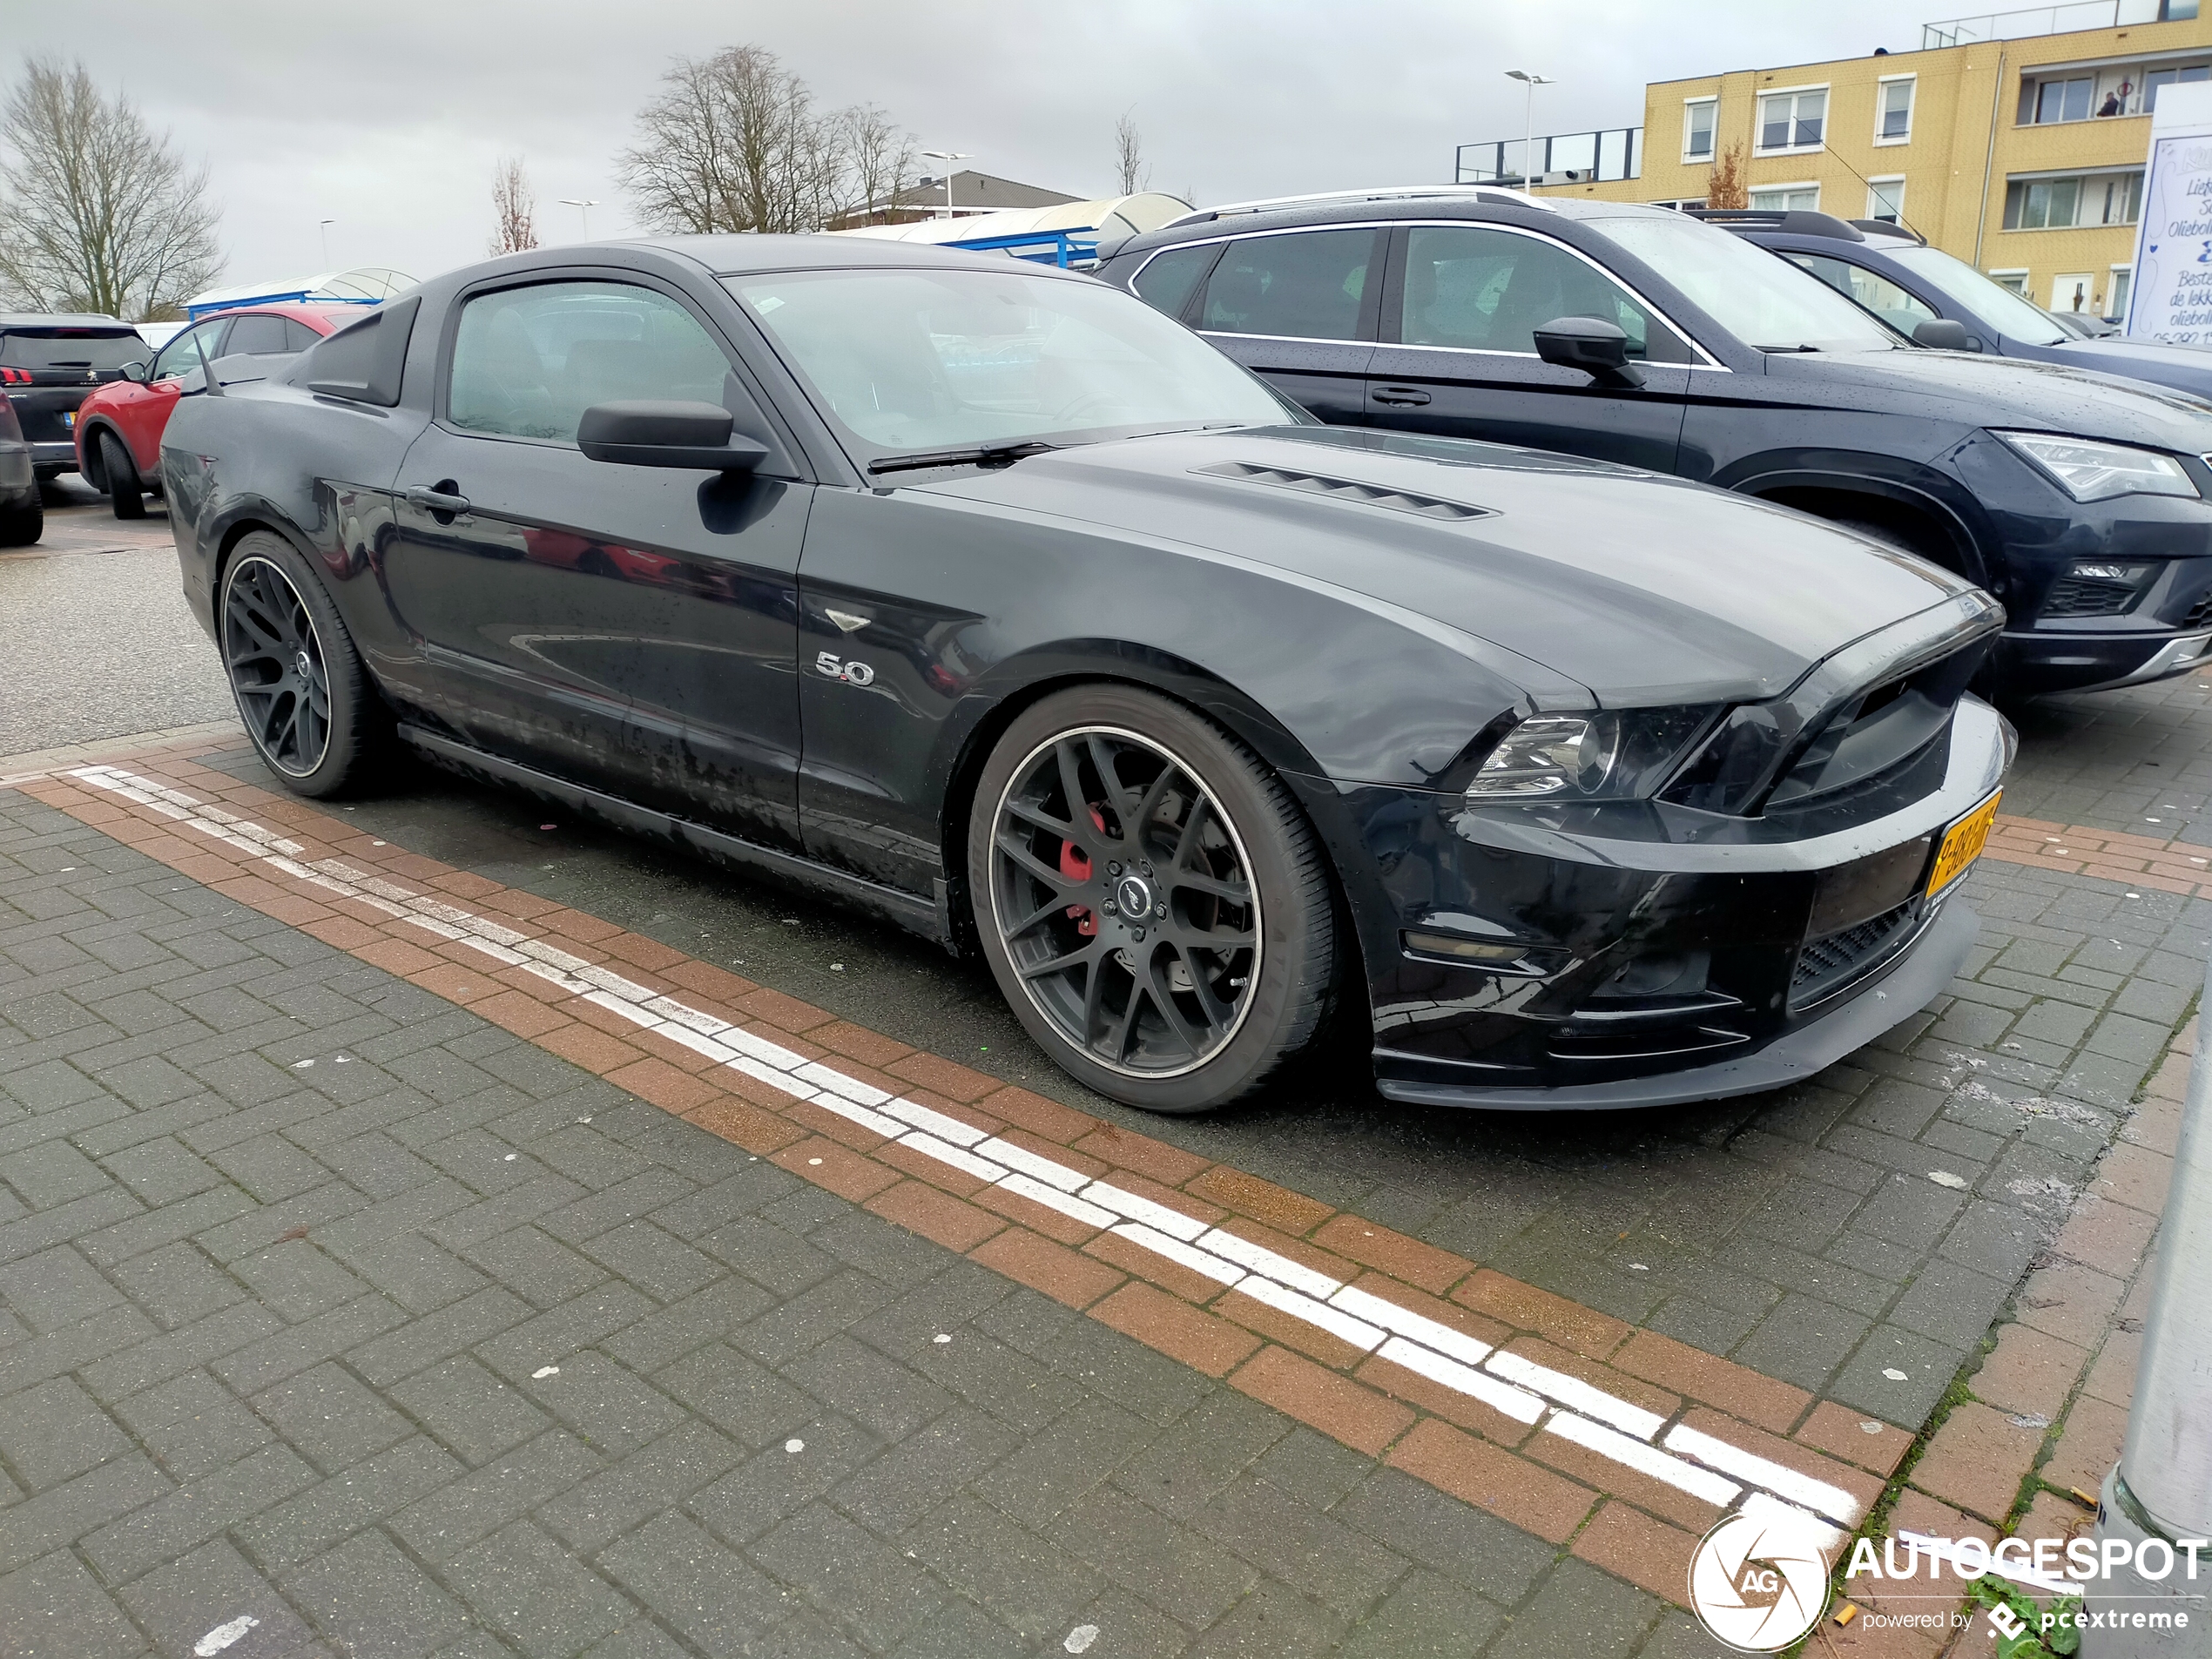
[515,203]
[98,212]
[1726,188]
[733,143]
[1129,157]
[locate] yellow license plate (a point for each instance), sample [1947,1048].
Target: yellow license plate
[1962,845]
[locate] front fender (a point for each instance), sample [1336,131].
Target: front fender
[1928,491]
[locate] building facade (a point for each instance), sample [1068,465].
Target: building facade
[2023,156]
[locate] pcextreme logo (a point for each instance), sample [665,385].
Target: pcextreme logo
[1759,1580]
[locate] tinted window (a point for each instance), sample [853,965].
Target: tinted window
[1167,279]
[527,362]
[1489,290]
[1877,294]
[70,348]
[256,336]
[181,355]
[298,336]
[1306,286]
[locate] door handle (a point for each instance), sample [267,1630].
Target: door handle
[436,500]
[1399,394]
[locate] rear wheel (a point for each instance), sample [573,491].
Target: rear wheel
[23,523]
[299,684]
[124,493]
[1153,904]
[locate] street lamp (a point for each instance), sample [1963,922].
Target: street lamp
[325,227]
[584,204]
[1528,123]
[947,156]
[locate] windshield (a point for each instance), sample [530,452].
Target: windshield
[70,348]
[1763,300]
[910,361]
[1996,305]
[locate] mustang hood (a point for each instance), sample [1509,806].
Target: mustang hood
[1646,590]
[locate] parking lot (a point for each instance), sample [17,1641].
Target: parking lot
[357,1287]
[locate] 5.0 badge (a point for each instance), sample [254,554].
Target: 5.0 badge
[851,672]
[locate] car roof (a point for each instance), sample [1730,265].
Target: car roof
[337,315]
[91,320]
[744,255]
[1479,206]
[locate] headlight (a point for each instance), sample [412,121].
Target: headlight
[1609,756]
[2092,471]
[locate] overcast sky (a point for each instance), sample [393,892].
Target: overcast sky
[388,117]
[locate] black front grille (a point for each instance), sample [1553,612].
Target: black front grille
[2199,614]
[1826,962]
[2082,596]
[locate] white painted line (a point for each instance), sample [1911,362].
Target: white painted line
[1261,1259]
[1020,1158]
[1760,1503]
[760,1048]
[837,1082]
[685,1037]
[1521,1406]
[1335,1321]
[1573,1391]
[930,1146]
[1406,1323]
[1175,1251]
[1645,1458]
[944,1127]
[1173,1223]
[791,1086]
[1753,1470]
[676,1013]
[1052,1198]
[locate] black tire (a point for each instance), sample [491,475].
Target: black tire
[1154,1014]
[124,493]
[24,522]
[298,685]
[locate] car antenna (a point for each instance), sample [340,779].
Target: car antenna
[214,387]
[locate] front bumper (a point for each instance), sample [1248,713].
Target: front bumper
[1707,957]
[2045,662]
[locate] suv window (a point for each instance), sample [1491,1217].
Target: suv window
[1307,285]
[256,337]
[1479,289]
[527,362]
[1877,294]
[1168,280]
[70,348]
[181,356]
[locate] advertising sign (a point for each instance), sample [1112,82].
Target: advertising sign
[2171,297]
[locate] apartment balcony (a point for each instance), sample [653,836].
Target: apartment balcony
[2053,20]
[1559,159]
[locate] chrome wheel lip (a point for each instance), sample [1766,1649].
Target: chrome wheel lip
[1243,860]
[307,648]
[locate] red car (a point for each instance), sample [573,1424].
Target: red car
[119,426]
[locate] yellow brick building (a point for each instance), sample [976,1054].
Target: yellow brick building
[2023,156]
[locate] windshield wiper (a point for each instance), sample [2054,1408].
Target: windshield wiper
[988,454]
[1810,348]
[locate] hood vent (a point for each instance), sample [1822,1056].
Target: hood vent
[1397,501]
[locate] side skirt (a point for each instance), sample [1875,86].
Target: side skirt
[932,919]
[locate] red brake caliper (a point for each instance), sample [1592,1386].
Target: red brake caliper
[1074,863]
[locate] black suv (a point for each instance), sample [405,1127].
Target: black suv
[1894,273]
[47,364]
[1639,335]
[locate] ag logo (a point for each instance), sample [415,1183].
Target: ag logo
[853,673]
[1759,1581]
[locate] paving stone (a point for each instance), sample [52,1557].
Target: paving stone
[330,1417]
[196,1512]
[1427,1617]
[55,1431]
[450,1517]
[180,1603]
[1417,1521]
[1582,1614]
[53,1609]
[474,1413]
[664,1472]
[1329,1562]
[370,1599]
[56,1287]
[336,1508]
[192,1424]
[778,1480]
[705,1593]
[535,1592]
[868,1587]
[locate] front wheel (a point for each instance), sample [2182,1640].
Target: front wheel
[299,685]
[1152,902]
[124,493]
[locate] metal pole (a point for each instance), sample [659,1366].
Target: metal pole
[2161,1492]
[1529,140]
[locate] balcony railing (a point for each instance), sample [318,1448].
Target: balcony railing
[2052,20]
[1559,159]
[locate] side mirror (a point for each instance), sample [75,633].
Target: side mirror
[1940,334]
[1599,349]
[651,432]
[135,372]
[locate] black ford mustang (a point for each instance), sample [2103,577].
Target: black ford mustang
[988,598]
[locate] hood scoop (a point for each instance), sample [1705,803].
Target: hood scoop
[1345,489]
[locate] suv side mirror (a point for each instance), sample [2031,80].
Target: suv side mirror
[1600,349]
[135,372]
[1940,334]
[653,432]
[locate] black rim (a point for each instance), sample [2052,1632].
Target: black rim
[1123,897]
[276,667]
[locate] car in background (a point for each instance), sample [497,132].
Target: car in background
[48,365]
[1640,335]
[119,427]
[1894,273]
[22,516]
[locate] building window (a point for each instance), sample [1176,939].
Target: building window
[2015,280]
[1697,118]
[2183,75]
[2066,203]
[2096,94]
[1787,198]
[1893,112]
[1680,204]
[1886,200]
[2123,283]
[1792,120]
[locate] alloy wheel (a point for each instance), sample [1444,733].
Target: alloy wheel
[275,661]
[1123,897]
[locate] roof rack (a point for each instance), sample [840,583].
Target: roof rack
[1885,227]
[1789,221]
[1490,193]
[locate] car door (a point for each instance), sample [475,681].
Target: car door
[256,346]
[1458,354]
[629,624]
[141,412]
[1298,307]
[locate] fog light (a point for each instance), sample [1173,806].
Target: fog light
[1466,950]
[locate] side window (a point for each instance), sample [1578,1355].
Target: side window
[1307,285]
[181,356]
[1479,289]
[256,337]
[1877,294]
[527,362]
[298,336]
[1167,280]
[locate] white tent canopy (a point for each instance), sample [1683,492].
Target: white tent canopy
[364,284]
[1112,219]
